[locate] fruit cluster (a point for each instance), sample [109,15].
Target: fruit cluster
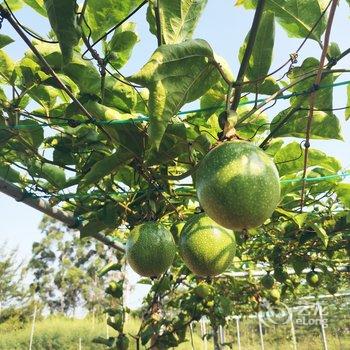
[238,188]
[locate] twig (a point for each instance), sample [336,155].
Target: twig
[248,52]
[158,23]
[313,97]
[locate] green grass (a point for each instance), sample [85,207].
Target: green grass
[59,333]
[54,333]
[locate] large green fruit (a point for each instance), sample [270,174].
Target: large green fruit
[206,248]
[238,185]
[150,249]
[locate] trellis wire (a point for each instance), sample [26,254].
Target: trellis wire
[141,119]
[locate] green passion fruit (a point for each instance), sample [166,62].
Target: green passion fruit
[238,185]
[267,281]
[206,248]
[150,249]
[313,279]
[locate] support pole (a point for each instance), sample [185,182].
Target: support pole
[261,334]
[294,339]
[323,331]
[204,333]
[43,206]
[238,333]
[33,327]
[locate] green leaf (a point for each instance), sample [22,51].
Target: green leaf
[299,219]
[320,232]
[106,166]
[347,110]
[10,174]
[37,5]
[5,40]
[51,53]
[178,19]
[50,172]
[14,5]
[290,159]
[343,193]
[91,228]
[269,86]
[63,20]
[261,57]
[32,132]
[7,67]
[85,75]
[174,143]
[119,95]
[324,125]
[297,17]
[120,47]
[324,96]
[175,74]
[103,14]
[44,95]
[334,50]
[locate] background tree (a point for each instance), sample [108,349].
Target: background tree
[12,290]
[65,270]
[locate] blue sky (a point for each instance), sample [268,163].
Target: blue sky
[224,26]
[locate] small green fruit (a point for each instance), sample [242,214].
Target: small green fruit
[122,342]
[332,289]
[313,279]
[267,281]
[206,248]
[238,185]
[274,295]
[203,290]
[150,249]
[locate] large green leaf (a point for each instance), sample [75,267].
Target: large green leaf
[324,125]
[121,128]
[63,20]
[298,17]
[290,159]
[32,132]
[178,19]
[104,14]
[85,75]
[106,166]
[119,95]
[51,53]
[175,74]
[120,47]
[174,143]
[50,172]
[261,57]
